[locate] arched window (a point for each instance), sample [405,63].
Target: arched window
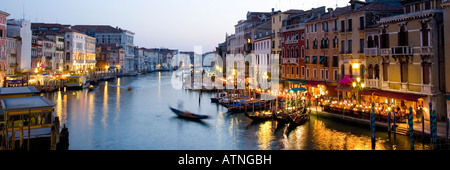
[296,52]
[335,42]
[292,52]
[369,42]
[377,71]
[303,51]
[384,39]
[370,70]
[425,34]
[342,71]
[375,41]
[403,36]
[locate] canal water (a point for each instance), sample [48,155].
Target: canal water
[114,118]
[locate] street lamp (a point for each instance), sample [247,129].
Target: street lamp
[358,85]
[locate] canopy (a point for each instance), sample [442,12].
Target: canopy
[347,80]
[295,90]
[391,94]
[313,83]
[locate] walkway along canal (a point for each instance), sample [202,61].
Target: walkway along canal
[112,117]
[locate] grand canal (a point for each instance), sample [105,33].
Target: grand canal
[111,117]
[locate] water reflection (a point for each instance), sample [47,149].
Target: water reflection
[112,117]
[330,139]
[265,135]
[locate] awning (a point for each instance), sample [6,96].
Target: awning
[306,58]
[396,95]
[296,81]
[313,83]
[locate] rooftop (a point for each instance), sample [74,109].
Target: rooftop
[26,103]
[18,90]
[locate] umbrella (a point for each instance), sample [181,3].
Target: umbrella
[295,90]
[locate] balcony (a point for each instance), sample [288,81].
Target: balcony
[407,87]
[291,41]
[371,51]
[428,50]
[293,27]
[401,50]
[385,51]
[289,60]
[373,83]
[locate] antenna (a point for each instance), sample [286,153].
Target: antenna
[23,10]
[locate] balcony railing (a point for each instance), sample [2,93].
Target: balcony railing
[293,27]
[401,50]
[428,50]
[373,83]
[385,51]
[290,60]
[291,41]
[371,51]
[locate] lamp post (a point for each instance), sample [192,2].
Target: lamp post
[359,86]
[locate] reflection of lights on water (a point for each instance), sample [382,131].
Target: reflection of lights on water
[328,139]
[297,138]
[233,130]
[105,104]
[265,135]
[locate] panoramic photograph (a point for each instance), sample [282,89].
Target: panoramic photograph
[225,75]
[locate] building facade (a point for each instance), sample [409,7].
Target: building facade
[106,34]
[3,16]
[411,52]
[20,31]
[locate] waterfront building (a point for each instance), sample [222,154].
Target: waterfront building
[36,52]
[11,55]
[79,48]
[262,44]
[80,52]
[18,45]
[277,24]
[106,34]
[3,16]
[411,52]
[237,46]
[110,56]
[58,57]
[321,56]
[446,30]
[48,59]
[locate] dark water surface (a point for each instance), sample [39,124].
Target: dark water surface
[111,117]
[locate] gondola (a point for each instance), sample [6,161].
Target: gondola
[257,115]
[188,115]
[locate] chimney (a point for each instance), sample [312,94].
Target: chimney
[319,14]
[273,10]
[330,12]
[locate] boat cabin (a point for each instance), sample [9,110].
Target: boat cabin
[77,82]
[34,112]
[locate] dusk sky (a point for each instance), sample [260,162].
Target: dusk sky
[175,24]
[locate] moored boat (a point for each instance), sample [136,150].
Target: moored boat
[259,115]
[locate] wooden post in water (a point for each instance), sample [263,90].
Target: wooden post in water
[21,135]
[29,129]
[13,138]
[53,138]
